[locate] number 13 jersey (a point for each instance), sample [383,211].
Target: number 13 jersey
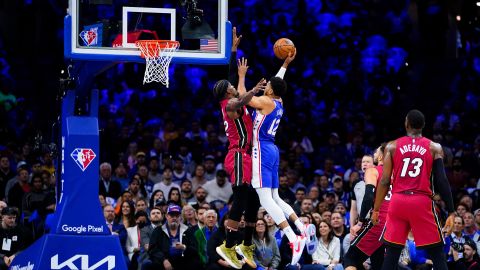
[412,166]
[265,154]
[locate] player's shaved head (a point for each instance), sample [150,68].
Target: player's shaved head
[220,89]
[416,119]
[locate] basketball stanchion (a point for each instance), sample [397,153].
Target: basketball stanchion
[158,55]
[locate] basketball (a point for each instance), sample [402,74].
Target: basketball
[283,47]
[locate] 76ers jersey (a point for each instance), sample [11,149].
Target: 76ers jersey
[265,126]
[238,131]
[265,154]
[412,166]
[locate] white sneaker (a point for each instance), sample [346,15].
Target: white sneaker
[297,248]
[311,238]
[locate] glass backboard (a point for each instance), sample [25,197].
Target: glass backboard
[106,30]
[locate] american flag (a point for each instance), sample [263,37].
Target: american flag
[208,45]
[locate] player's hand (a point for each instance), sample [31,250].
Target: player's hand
[354,230]
[290,58]
[374,217]
[167,265]
[235,39]
[242,67]
[260,86]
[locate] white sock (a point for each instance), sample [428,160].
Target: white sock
[299,225]
[290,234]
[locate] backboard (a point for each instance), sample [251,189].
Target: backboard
[106,30]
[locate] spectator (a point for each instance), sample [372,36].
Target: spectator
[267,255]
[156,219]
[339,229]
[215,262]
[141,205]
[200,197]
[15,237]
[157,196]
[35,199]
[19,189]
[456,238]
[328,250]
[284,191]
[179,172]
[203,235]
[299,196]
[198,178]
[106,185]
[135,189]
[174,197]
[182,241]
[167,182]
[5,174]
[134,245]
[219,189]
[314,195]
[210,169]
[189,216]
[187,192]
[306,206]
[470,260]
[127,216]
[154,174]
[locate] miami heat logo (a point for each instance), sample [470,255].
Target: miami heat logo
[83,157]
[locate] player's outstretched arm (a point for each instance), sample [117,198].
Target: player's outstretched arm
[232,68]
[440,180]
[371,175]
[382,188]
[242,65]
[288,60]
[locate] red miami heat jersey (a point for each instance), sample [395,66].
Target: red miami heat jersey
[384,206]
[412,166]
[239,131]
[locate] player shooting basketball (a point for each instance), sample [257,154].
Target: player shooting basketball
[238,163]
[265,156]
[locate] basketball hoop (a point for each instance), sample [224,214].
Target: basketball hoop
[158,55]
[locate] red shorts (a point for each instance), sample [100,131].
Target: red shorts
[368,239]
[414,212]
[238,165]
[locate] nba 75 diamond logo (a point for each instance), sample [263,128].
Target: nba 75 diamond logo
[83,157]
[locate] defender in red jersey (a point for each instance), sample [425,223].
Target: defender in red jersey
[410,162]
[238,162]
[367,240]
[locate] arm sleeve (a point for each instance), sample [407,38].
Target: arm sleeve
[281,72]
[233,69]
[440,182]
[367,201]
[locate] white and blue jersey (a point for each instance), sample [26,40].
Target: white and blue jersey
[265,154]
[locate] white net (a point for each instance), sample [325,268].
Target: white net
[158,55]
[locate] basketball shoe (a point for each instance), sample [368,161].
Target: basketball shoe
[311,238]
[229,255]
[297,248]
[246,252]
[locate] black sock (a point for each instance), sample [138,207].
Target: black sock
[391,258]
[247,240]
[232,237]
[438,258]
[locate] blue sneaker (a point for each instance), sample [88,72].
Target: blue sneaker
[311,236]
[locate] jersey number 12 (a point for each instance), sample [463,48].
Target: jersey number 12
[273,127]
